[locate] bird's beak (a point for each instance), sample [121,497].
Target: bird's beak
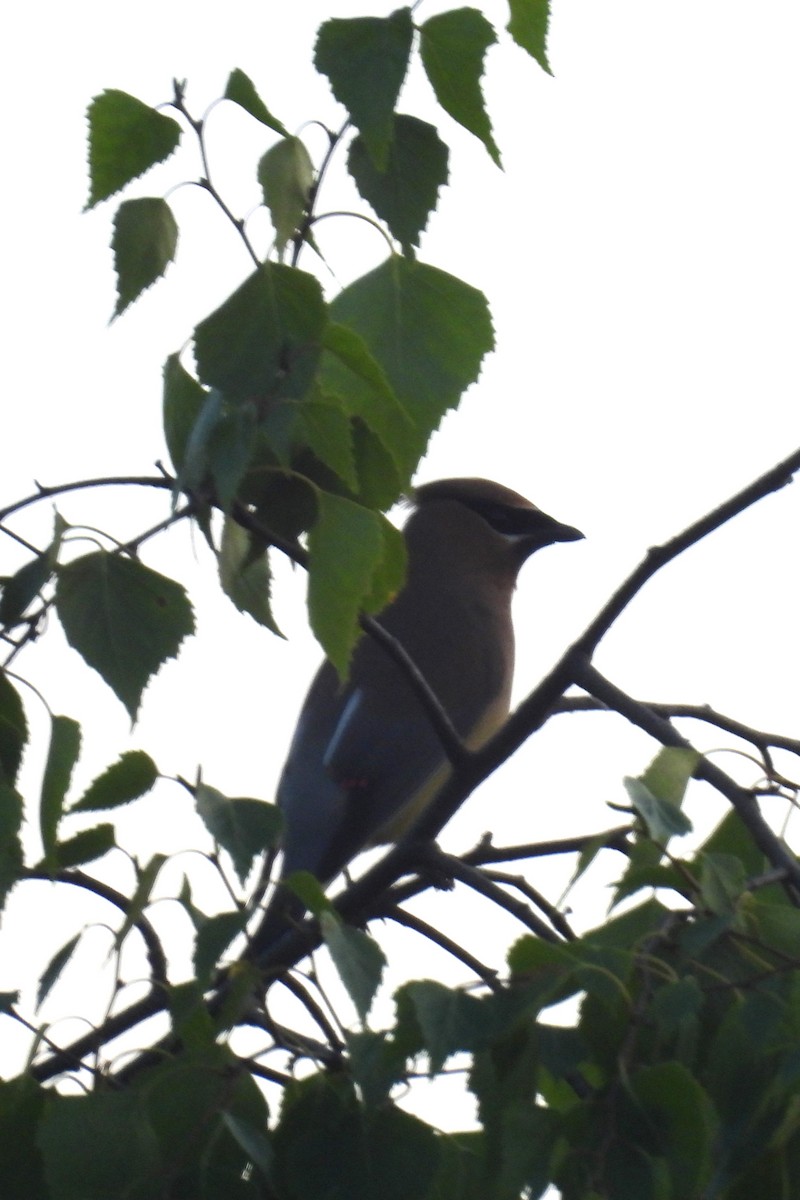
[565,533]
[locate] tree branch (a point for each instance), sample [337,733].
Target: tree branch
[761,739]
[44,492]
[409,921]
[155,951]
[743,801]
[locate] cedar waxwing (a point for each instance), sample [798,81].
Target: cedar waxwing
[365,759]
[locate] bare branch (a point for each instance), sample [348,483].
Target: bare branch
[556,919]
[759,738]
[611,839]
[409,921]
[155,951]
[43,492]
[476,879]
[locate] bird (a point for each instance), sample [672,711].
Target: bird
[365,759]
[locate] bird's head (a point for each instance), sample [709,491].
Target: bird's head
[476,517]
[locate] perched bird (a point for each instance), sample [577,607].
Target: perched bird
[365,759]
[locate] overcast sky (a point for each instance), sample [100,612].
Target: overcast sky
[640,253]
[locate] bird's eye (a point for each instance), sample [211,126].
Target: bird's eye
[502,518]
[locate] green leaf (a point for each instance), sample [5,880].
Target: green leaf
[346,548]
[403,1154]
[548,968]
[353,375]
[286,175]
[504,1075]
[307,888]
[732,836]
[429,331]
[775,925]
[561,1048]
[13,729]
[82,847]
[390,574]
[669,773]
[453,46]
[381,480]
[145,882]
[144,242]
[351,350]
[183,401]
[124,619]
[11,858]
[230,448]
[241,90]
[528,27]
[54,969]
[186,1097]
[191,1020]
[213,939]
[99,1145]
[253,1141]
[65,744]
[450,1019]
[722,882]
[460,1175]
[637,877]
[244,828]
[376,1064]
[125,780]
[126,138]
[22,588]
[221,447]
[285,504]
[326,430]
[264,342]
[405,192]
[328,1147]
[365,59]
[195,465]
[244,573]
[631,927]
[603,971]
[677,1006]
[528,1136]
[21,1105]
[319,1142]
[662,819]
[358,958]
[680,1110]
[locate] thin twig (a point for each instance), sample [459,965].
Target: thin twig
[180,514]
[301,993]
[155,951]
[455,750]
[44,492]
[476,879]
[759,738]
[198,128]
[409,921]
[610,839]
[308,217]
[556,918]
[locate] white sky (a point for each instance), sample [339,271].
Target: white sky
[640,254]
